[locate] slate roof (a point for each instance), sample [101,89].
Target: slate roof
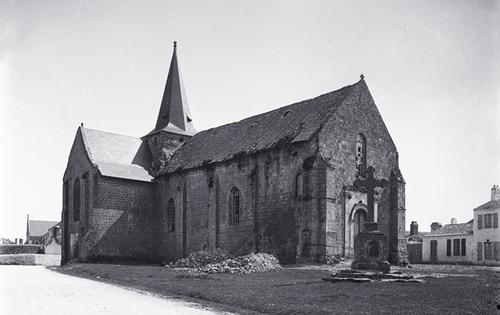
[39,228]
[117,155]
[174,115]
[460,228]
[493,204]
[289,124]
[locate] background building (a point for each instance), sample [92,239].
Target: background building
[450,243]
[486,231]
[414,240]
[36,229]
[476,242]
[52,240]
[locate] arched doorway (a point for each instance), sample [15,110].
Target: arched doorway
[359,219]
[355,225]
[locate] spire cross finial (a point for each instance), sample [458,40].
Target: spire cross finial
[175,44]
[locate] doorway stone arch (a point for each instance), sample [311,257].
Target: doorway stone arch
[357,218]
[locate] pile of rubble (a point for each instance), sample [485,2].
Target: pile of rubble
[357,276]
[201,258]
[244,264]
[220,261]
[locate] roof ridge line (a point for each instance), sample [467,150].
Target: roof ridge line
[111,133]
[280,108]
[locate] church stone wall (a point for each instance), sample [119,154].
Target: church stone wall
[121,225]
[272,217]
[358,114]
[115,214]
[79,167]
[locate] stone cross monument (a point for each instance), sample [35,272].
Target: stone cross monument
[370,245]
[370,183]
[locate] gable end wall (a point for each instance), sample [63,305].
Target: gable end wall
[337,141]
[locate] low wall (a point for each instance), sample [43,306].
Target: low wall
[21,249]
[30,259]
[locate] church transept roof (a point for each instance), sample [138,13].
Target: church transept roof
[117,155]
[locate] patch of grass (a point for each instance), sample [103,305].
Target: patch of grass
[301,291]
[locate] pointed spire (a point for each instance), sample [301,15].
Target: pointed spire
[174,115]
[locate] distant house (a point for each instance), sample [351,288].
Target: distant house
[52,240]
[486,231]
[477,241]
[36,229]
[450,243]
[414,240]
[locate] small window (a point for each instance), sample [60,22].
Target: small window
[86,197]
[76,200]
[462,247]
[479,251]
[171,215]
[360,154]
[456,247]
[488,221]
[488,251]
[299,185]
[479,221]
[234,206]
[65,197]
[448,247]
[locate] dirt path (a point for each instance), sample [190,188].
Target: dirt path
[37,290]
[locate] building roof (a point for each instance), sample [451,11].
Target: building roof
[117,155]
[493,204]
[174,115]
[289,124]
[448,229]
[39,228]
[420,234]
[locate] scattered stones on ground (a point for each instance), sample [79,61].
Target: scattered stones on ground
[245,264]
[219,261]
[356,276]
[202,258]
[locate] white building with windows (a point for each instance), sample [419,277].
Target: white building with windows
[477,241]
[451,243]
[486,231]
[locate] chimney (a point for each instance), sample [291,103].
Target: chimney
[414,228]
[495,193]
[21,241]
[453,221]
[435,226]
[15,240]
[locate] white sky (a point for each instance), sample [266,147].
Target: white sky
[432,67]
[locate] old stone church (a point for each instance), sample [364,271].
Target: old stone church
[280,182]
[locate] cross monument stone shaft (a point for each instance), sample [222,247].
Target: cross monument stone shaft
[370,183]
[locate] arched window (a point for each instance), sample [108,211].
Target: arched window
[359,220]
[76,200]
[299,185]
[360,154]
[234,206]
[171,215]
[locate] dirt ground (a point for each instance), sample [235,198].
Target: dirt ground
[448,289]
[37,290]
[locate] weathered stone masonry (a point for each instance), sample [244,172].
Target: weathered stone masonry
[285,178]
